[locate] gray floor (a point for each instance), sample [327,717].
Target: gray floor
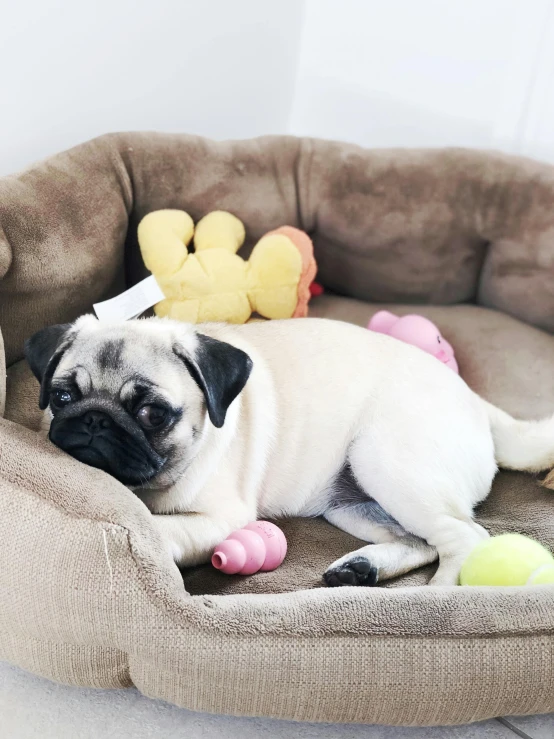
[34,708]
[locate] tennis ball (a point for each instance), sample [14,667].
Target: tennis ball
[508,559]
[543,576]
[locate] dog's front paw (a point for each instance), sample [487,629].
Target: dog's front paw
[354,571]
[166,527]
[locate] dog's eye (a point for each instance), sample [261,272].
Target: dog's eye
[59,398]
[151,416]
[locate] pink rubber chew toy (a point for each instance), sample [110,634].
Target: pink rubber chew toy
[418,331]
[260,545]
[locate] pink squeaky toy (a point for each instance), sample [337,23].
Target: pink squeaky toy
[260,545]
[415,330]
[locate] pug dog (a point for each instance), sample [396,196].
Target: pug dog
[214,426]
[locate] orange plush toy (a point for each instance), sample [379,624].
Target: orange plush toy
[214,283]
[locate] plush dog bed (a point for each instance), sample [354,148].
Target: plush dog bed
[88,595]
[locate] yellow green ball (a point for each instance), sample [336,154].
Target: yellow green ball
[543,576]
[508,559]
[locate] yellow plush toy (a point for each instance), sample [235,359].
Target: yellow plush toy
[214,283]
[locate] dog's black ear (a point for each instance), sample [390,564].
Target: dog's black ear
[43,351]
[220,370]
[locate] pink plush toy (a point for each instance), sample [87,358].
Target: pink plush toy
[260,545]
[415,330]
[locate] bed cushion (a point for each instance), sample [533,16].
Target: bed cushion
[89,595]
[506,361]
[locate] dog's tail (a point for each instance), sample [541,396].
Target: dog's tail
[527,446]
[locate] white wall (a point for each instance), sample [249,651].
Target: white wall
[73,69]
[427,73]
[376,72]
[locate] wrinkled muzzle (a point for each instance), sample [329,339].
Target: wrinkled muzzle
[105,437]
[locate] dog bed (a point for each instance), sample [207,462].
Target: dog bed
[88,594]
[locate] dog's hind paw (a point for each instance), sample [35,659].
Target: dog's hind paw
[355,571]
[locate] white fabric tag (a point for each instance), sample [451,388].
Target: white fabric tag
[131,303]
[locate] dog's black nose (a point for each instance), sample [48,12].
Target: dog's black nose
[96,421]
